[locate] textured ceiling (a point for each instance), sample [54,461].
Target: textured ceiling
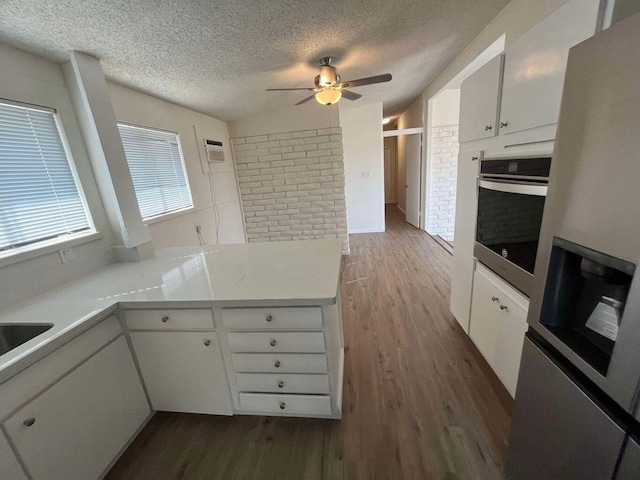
[217,57]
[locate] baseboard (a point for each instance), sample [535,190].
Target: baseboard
[402,209]
[366,230]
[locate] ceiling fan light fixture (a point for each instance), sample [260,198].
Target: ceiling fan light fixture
[328,96]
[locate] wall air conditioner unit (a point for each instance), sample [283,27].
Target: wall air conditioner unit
[215,152]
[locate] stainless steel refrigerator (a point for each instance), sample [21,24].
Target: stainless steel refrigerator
[576,414]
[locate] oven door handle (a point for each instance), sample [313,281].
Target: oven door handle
[513,187]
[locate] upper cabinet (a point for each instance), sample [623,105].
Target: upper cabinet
[526,82]
[535,66]
[479,99]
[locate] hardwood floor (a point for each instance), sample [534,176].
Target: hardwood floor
[419,401]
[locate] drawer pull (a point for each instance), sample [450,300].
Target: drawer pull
[282,405]
[504,308]
[165,319]
[276,364]
[280,384]
[269,318]
[207,342]
[495,299]
[29,421]
[273,342]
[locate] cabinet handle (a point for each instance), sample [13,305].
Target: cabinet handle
[495,299]
[487,128]
[503,124]
[207,342]
[29,421]
[276,364]
[269,318]
[282,405]
[165,319]
[473,159]
[504,307]
[280,384]
[273,343]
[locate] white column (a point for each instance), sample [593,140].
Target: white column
[90,95]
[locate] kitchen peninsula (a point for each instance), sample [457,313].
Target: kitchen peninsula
[232,329]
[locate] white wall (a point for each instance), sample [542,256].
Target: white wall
[32,79]
[446,108]
[132,106]
[289,118]
[363,153]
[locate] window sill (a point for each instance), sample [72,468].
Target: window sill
[38,249]
[168,216]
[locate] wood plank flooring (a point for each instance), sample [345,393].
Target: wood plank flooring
[420,403]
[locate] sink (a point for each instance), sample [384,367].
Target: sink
[13,335]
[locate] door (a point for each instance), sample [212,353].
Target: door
[388,181]
[183,371]
[479,99]
[535,66]
[77,427]
[629,468]
[465,228]
[412,185]
[558,432]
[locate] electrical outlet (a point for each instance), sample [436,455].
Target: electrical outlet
[67,255]
[366,173]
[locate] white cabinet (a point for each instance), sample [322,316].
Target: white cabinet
[75,428]
[535,66]
[498,324]
[479,100]
[465,228]
[9,466]
[183,371]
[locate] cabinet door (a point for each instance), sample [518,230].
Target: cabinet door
[479,99]
[498,325]
[535,66]
[464,237]
[76,428]
[183,371]
[9,466]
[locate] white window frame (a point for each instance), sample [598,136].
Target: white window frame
[172,213]
[43,247]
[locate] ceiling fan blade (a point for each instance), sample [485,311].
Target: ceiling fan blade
[368,81]
[350,95]
[282,89]
[306,99]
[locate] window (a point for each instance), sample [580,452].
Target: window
[40,198]
[157,169]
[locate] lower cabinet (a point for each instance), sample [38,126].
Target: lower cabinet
[76,427]
[498,324]
[183,371]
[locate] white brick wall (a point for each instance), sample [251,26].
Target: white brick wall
[292,185]
[442,182]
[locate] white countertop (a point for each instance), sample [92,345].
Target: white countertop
[279,273]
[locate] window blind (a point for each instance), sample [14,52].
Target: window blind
[39,195]
[157,170]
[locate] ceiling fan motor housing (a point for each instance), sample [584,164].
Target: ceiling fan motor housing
[328,76]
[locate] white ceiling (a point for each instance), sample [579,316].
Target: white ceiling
[218,56]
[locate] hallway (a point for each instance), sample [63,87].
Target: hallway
[419,401]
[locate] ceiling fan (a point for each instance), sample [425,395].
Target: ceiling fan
[330,88]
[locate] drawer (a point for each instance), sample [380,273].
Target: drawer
[285,383]
[286,404]
[169,319]
[265,318]
[294,342]
[284,362]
